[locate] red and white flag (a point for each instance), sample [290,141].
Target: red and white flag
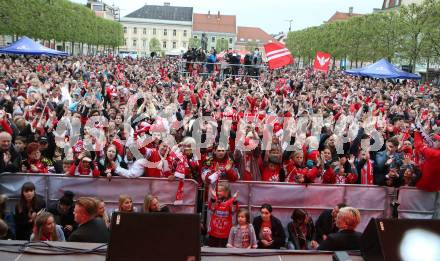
[277,55]
[322,61]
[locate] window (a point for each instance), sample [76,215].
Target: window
[195,36]
[134,42]
[213,39]
[164,44]
[184,44]
[144,43]
[174,45]
[154,31]
[125,41]
[145,31]
[165,32]
[125,29]
[184,33]
[98,7]
[135,30]
[230,40]
[174,32]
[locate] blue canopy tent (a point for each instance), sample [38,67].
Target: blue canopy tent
[383,69]
[28,46]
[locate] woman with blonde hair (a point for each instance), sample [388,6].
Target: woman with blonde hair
[125,204]
[347,238]
[151,204]
[45,228]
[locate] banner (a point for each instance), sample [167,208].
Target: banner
[322,61]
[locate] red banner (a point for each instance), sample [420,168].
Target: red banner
[322,61]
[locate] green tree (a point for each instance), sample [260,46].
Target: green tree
[432,32]
[59,20]
[194,43]
[414,18]
[221,45]
[155,45]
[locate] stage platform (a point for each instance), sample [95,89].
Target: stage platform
[39,251]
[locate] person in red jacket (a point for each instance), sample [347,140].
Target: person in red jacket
[219,166]
[430,167]
[33,164]
[296,172]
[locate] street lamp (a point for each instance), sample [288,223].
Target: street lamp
[290,24]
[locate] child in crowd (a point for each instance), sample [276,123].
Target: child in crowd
[243,234]
[20,146]
[222,206]
[297,172]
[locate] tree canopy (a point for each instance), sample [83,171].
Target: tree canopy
[410,34]
[59,20]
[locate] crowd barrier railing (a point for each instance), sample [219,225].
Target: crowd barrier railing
[51,187]
[372,201]
[415,203]
[243,70]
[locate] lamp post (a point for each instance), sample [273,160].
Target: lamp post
[290,24]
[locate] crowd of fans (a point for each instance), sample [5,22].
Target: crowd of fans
[109,116]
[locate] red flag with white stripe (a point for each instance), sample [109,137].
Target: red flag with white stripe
[277,55]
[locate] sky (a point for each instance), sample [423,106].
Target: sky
[272,16]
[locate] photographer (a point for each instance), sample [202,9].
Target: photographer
[189,56]
[256,61]
[234,61]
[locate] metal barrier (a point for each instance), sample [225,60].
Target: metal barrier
[52,187]
[372,201]
[415,203]
[242,69]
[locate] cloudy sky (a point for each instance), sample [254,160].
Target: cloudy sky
[271,16]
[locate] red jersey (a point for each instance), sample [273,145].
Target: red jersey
[221,218]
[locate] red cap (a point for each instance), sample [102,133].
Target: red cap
[276,127]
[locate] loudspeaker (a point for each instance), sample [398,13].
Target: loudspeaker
[401,239]
[154,236]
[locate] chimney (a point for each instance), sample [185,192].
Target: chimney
[209,14]
[350,10]
[166,4]
[218,15]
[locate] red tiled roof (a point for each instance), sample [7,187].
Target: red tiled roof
[253,33]
[338,16]
[214,23]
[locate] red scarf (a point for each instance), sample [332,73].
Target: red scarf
[367,173]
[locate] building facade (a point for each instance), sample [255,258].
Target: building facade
[215,27]
[388,4]
[103,10]
[170,25]
[252,36]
